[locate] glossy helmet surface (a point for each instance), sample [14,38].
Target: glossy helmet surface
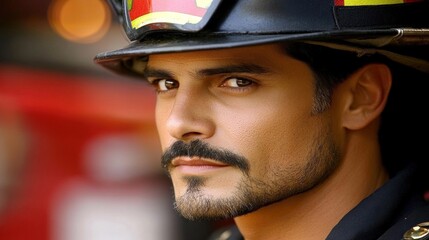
[398,29]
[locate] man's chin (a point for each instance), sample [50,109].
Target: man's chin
[195,206]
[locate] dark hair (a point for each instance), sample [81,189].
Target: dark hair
[403,128]
[330,68]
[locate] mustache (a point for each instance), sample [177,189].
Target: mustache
[198,148]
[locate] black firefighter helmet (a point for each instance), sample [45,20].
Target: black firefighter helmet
[398,29]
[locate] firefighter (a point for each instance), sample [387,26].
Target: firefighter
[297,119]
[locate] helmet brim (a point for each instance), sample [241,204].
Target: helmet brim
[374,40]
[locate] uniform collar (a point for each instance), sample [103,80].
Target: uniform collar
[375,214]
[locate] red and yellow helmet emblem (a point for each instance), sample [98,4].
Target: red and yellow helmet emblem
[145,12]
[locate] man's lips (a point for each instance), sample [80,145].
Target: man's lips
[195,161]
[196,164]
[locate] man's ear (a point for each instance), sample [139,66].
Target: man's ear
[367,92]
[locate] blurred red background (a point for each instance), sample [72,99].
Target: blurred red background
[62,114]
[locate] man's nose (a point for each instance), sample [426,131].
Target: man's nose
[191,116]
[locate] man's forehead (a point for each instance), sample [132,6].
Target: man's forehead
[255,59]
[166,72]
[267,57]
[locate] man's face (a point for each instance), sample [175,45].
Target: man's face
[238,130]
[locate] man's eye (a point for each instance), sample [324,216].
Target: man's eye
[236,82]
[166,84]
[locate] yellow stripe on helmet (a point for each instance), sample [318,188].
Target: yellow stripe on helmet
[370,2]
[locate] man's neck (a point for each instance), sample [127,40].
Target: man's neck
[313,214]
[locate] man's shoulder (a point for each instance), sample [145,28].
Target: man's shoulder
[412,226]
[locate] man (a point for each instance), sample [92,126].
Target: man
[270,112]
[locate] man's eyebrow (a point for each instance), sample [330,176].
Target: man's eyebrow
[156,73]
[237,68]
